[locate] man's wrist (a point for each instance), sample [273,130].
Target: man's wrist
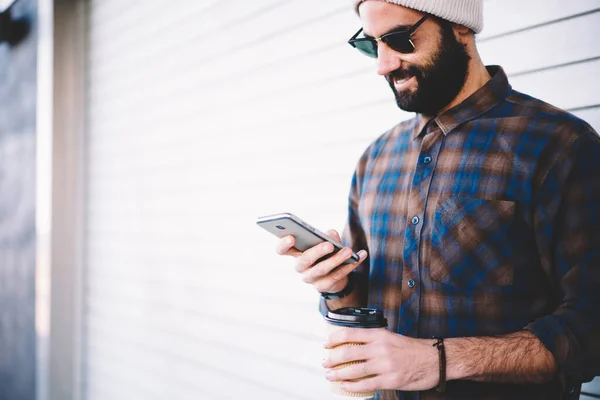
[334,293]
[454,370]
[339,286]
[432,362]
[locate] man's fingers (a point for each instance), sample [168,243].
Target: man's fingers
[343,270]
[328,281]
[332,233]
[324,267]
[285,247]
[352,335]
[310,256]
[365,385]
[345,354]
[326,273]
[362,255]
[318,264]
[355,371]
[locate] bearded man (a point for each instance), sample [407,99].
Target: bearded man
[477,223]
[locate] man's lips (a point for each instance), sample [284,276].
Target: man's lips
[402,83]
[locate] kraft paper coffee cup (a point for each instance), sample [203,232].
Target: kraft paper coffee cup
[364,318]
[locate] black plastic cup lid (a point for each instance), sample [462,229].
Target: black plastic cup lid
[352,317]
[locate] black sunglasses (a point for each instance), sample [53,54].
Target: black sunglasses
[399,41]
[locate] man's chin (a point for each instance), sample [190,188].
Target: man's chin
[408,108]
[412,104]
[406,100]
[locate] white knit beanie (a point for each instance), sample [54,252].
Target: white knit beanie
[467,13]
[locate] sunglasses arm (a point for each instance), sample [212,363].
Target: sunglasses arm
[356,34]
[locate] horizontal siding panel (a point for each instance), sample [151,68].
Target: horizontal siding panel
[525,14]
[240,166]
[559,43]
[296,134]
[254,52]
[217,112]
[270,191]
[346,93]
[268,341]
[261,55]
[151,346]
[203,286]
[127,380]
[161,24]
[234,45]
[556,87]
[169,265]
[117,383]
[206,274]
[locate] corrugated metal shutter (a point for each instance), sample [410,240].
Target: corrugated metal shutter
[203,115]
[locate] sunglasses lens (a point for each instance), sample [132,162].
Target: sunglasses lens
[366,47]
[400,43]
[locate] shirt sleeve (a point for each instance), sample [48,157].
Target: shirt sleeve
[354,236]
[567,226]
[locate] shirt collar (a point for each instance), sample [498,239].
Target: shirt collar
[484,99]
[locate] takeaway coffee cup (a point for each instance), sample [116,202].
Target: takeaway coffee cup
[365,318]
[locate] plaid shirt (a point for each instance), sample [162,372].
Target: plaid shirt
[485,222]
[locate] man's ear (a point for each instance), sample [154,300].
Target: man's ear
[461,30]
[462,33]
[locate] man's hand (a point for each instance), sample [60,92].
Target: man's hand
[398,362]
[330,275]
[392,361]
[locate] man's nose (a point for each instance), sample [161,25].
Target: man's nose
[387,59]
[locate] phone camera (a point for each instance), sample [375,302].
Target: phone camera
[280,227]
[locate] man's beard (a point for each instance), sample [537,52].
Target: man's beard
[440,82]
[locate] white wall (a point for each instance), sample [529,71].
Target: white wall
[203,115]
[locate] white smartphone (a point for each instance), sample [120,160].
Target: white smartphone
[285,224]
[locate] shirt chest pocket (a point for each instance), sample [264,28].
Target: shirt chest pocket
[472,243]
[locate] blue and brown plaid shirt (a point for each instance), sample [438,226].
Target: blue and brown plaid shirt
[485,222]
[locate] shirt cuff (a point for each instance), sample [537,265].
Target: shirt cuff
[556,337]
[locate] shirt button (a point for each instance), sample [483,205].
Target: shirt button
[411,283]
[415,220]
[427,160]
